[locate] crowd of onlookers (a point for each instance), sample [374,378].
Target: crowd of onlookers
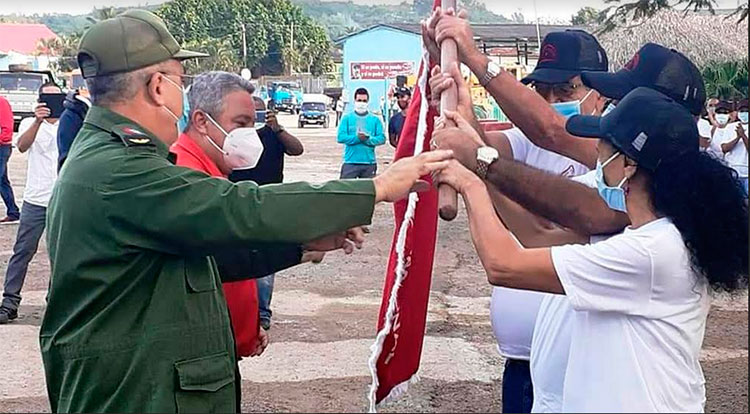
[723,132]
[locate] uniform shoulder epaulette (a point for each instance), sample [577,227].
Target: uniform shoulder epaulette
[131,136]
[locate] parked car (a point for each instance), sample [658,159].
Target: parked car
[313,112]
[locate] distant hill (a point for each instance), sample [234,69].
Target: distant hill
[344,17]
[338,17]
[62,24]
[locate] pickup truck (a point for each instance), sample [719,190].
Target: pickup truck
[21,89]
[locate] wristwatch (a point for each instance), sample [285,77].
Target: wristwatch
[485,157]
[493,69]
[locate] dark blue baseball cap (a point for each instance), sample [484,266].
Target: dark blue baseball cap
[657,67]
[647,126]
[564,55]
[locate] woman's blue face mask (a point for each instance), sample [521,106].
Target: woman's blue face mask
[613,196]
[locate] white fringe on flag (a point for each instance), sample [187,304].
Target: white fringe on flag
[377,347]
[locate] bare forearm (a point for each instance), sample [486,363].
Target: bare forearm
[531,230]
[505,261]
[26,139]
[292,145]
[542,125]
[729,146]
[570,204]
[488,233]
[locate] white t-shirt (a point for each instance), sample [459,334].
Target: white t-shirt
[639,321]
[704,130]
[553,334]
[737,157]
[41,170]
[514,312]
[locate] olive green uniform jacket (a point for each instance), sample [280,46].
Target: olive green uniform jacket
[136,320]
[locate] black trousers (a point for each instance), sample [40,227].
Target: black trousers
[518,392]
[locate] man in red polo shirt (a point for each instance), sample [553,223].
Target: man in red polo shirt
[222,102]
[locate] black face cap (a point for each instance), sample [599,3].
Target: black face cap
[564,55]
[647,126]
[656,67]
[403,91]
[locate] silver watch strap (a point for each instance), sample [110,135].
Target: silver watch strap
[482,169]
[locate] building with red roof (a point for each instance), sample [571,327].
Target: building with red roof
[19,44]
[23,38]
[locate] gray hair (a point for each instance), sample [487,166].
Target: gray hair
[208,90]
[106,90]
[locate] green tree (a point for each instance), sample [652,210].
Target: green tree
[223,56]
[727,80]
[280,38]
[586,16]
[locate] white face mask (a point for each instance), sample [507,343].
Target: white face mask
[242,147]
[360,107]
[722,119]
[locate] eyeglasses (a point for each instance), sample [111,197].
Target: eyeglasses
[186,79]
[560,90]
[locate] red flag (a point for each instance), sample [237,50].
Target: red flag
[403,312]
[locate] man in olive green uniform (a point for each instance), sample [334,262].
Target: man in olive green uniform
[136,320]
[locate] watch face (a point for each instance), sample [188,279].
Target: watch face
[487,154]
[493,69]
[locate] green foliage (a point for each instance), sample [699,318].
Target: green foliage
[727,80]
[341,18]
[223,56]
[586,16]
[63,47]
[271,27]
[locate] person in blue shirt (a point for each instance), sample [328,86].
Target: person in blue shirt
[396,125]
[360,132]
[71,121]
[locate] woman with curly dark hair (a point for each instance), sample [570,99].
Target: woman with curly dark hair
[641,298]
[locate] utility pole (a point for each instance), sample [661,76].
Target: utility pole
[291,51]
[244,45]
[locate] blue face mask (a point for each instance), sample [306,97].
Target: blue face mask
[742,116]
[613,196]
[571,108]
[182,121]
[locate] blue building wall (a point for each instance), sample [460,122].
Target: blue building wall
[380,44]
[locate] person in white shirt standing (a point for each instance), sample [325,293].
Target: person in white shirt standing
[36,136]
[641,297]
[734,143]
[707,124]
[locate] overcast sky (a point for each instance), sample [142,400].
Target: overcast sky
[546,8]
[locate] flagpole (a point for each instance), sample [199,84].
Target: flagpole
[538,32]
[448,198]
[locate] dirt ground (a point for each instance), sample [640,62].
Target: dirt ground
[325,316]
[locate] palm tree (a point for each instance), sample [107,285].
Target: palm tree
[726,80]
